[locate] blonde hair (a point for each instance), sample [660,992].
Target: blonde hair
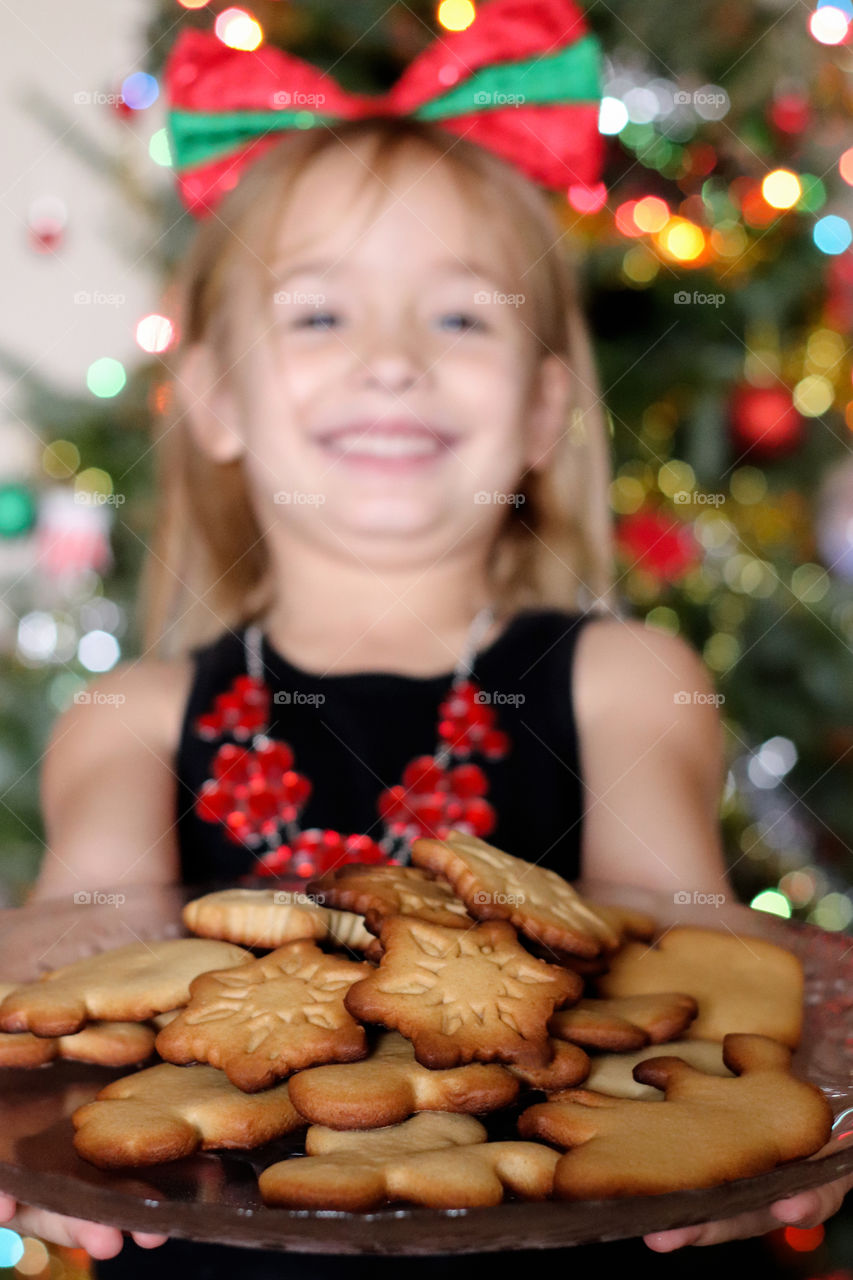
[208,567]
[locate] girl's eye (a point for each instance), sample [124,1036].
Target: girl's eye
[461,321]
[316,320]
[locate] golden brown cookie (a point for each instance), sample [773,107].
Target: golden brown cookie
[568,1067]
[463,995]
[496,886]
[271,1017]
[626,921]
[708,1130]
[440,1161]
[741,983]
[390,1085]
[624,1023]
[271,917]
[378,892]
[127,984]
[612,1073]
[107,1044]
[167,1112]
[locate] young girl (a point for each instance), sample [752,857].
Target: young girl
[378,328]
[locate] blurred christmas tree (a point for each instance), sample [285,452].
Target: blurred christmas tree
[719,281]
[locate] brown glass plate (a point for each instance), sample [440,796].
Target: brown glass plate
[214,1196]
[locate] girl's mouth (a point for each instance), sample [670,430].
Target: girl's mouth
[388,446]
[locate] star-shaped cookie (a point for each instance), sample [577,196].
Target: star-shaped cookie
[497,886]
[377,892]
[463,995]
[279,1014]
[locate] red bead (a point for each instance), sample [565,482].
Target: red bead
[295,787]
[238,823]
[262,803]
[275,758]
[275,862]
[212,803]
[468,780]
[495,744]
[429,809]
[453,810]
[422,774]
[209,726]
[308,841]
[480,815]
[392,803]
[363,849]
[231,763]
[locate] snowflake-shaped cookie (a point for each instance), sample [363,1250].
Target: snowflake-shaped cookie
[463,996]
[496,886]
[284,1012]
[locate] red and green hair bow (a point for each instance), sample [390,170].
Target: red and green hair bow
[523,81]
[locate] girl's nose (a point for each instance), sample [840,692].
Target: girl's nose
[390,367]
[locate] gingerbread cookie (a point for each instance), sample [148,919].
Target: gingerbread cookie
[378,892]
[567,1068]
[167,1112]
[127,984]
[463,995]
[269,1018]
[496,886]
[271,917]
[708,1129]
[626,1023]
[106,1044]
[741,983]
[390,1085]
[612,1073]
[440,1161]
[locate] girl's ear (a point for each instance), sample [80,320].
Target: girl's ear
[548,407]
[209,404]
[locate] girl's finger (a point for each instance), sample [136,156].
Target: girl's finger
[148,1240]
[809,1208]
[666,1241]
[8,1207]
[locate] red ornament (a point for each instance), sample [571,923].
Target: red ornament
[765,420]
[653,541]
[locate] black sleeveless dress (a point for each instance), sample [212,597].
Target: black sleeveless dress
[352,745]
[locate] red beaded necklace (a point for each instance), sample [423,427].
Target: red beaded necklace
[258,796]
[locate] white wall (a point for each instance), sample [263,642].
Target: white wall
[62,49]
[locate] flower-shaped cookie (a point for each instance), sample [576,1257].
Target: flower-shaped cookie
[463,995]
[496,886]
[283,1012]
[378,892]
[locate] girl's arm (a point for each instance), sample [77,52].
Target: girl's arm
[108,783]
[652,760]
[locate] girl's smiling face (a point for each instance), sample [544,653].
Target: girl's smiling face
[398,381]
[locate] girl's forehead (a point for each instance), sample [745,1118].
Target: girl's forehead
[414,212]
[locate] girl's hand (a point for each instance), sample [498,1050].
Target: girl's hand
[806,1209]
[98,1240]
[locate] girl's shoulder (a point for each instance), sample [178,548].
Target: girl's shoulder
[624,667]
[150,693]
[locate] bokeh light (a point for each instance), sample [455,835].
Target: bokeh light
[139,90]
[781,189]
[612,116]
[98,651]
[155,333]
[456,15]
[238,29]
[832,234]
[770,900]
[105,377]
[829,24]
[682,240]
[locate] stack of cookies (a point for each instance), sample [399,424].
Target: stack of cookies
[391,1010]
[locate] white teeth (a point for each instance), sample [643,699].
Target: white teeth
[383,446]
